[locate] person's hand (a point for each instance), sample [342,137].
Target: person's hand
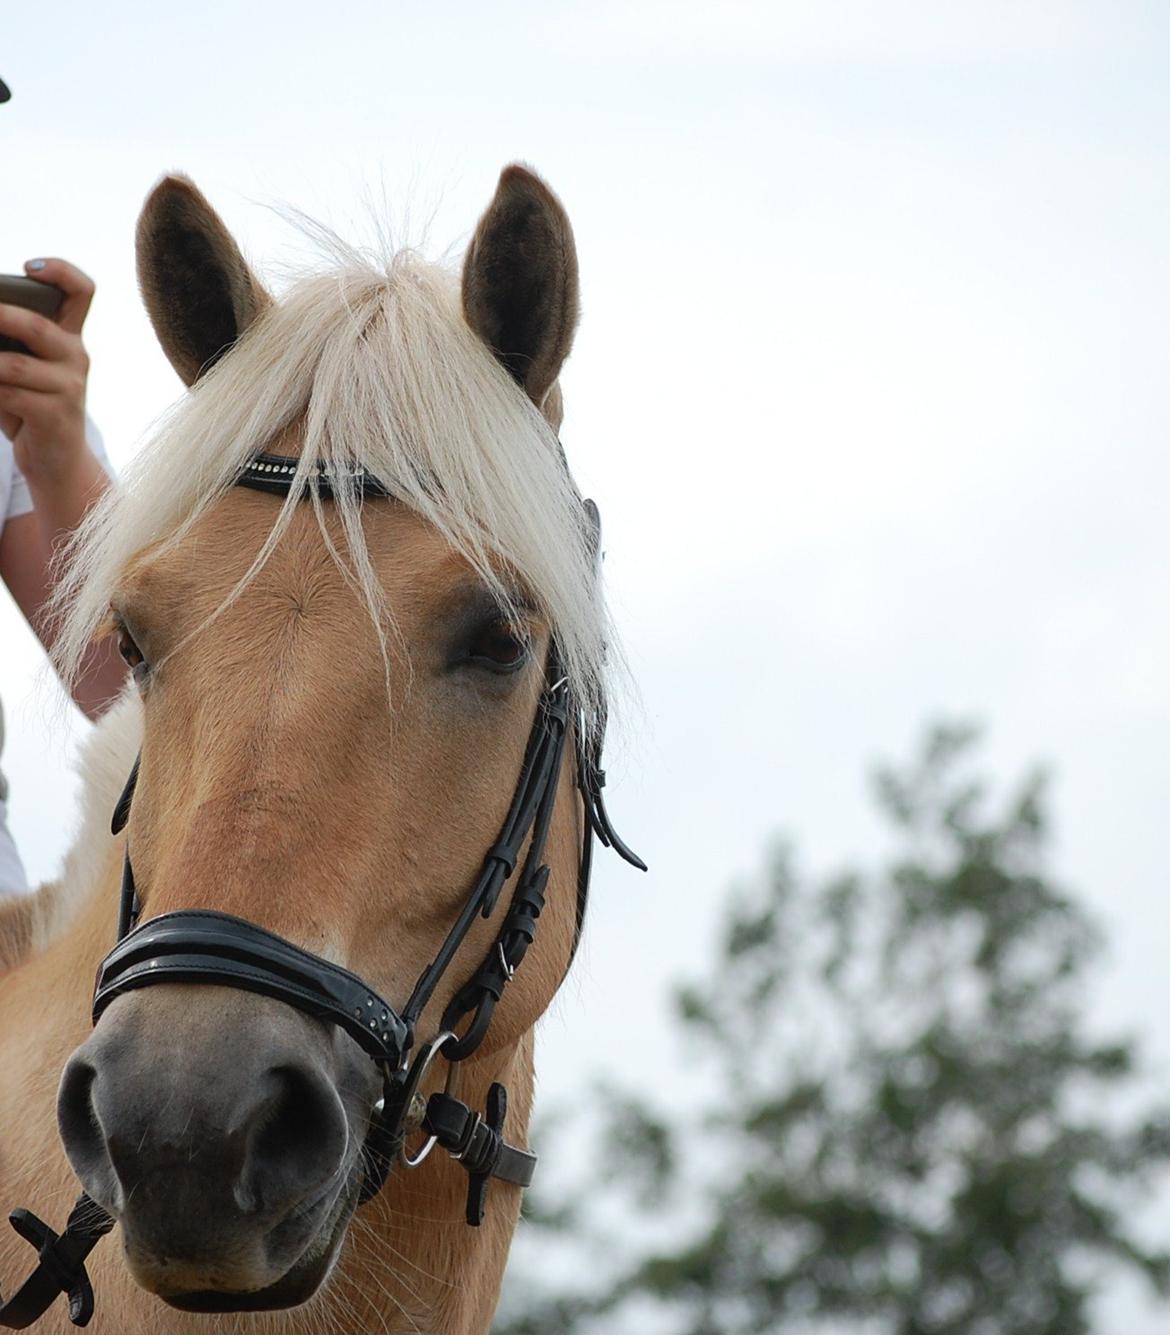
[42,396]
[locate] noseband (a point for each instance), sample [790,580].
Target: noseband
[202,946]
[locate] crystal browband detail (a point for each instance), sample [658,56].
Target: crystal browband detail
[274,473]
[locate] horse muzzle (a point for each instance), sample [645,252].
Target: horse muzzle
[223,1130]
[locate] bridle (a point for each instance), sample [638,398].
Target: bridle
[203,946]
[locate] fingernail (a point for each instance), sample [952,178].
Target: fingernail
[35,264]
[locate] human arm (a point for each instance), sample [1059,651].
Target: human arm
[42,411]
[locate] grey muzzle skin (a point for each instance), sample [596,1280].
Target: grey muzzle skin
[226,1159]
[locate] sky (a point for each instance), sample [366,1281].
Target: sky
[869,386]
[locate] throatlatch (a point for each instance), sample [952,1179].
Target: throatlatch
[202,946]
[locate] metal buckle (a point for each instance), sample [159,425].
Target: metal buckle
[422,1064]
[509,969]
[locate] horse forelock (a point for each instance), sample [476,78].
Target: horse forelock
[369,367]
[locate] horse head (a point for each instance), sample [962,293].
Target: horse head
[339,677]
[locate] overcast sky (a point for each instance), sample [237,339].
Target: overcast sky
[870,387]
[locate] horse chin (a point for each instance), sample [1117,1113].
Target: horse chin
[292,1289]
[296,1286]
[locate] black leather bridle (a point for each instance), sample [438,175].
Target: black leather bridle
[201,946]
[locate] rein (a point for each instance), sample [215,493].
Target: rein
[203,946]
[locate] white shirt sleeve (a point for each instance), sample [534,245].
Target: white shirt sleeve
[20,498]
[13,880]
[14,490]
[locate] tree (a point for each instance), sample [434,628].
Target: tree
[907,1129]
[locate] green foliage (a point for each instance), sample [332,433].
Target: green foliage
[906,1130]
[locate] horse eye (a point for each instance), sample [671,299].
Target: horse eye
[499,648]
[132,656]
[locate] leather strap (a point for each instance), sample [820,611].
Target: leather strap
[529,812]
[275,473]
[62,1265]
[478,1143]
[198,946]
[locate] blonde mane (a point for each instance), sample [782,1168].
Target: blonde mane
[377,368]
[104,762]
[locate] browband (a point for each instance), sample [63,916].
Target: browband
[276,474]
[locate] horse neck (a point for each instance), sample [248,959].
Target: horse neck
[44,1015]
[44,1009]
[17,930]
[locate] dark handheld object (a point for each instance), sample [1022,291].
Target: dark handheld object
[43,298]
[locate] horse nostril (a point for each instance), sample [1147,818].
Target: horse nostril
[75,1114]
[82,1135]
[297,1140]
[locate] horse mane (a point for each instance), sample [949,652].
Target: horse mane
[29,923]
[374,365]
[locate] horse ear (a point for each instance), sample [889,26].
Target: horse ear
[520,284]
[199,292]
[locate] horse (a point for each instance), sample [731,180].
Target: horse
[338,671]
